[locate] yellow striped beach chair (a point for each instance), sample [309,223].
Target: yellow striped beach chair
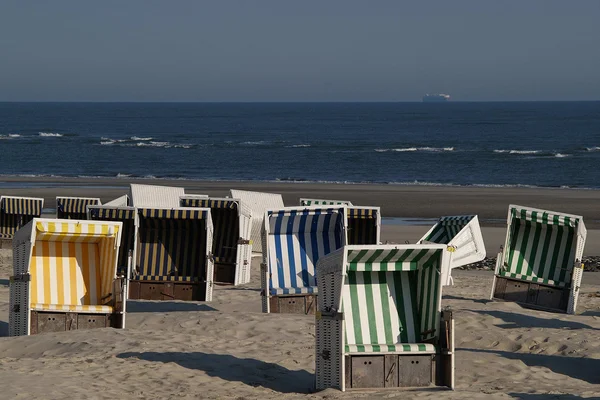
[463,234]
[173,254]
[294,238]
[16,212]
[540,265]
[232,247]
[65,277]
[380,323]
[74,207]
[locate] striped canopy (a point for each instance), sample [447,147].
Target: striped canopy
[127,217]
[112,213]
[21,205]
[542,246]
[209,203]
[296,239]
[173,213]
[74,205]
[447,228]
[321,202]
[73,264]
[369,259]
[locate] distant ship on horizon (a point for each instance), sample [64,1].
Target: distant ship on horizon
[436,98]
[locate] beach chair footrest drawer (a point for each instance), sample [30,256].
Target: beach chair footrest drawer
[157,290]
[224,272]
[389,370]
[531,294]
[297,304]
[44,321]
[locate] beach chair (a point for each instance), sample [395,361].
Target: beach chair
[173,255]
[65,277]
[127,216]
[294,238]
[74,207]
[321,202]
[539,265]
[258,203]
[16,212]
[154,196]
[463,234]
[122,201]
[380,323]
[232,247]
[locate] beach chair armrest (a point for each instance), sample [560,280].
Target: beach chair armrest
[447,332]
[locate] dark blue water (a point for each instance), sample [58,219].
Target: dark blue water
[539,144]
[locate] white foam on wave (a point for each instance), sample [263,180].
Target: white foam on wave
[298,145]
[153,144]
[425,149]
[257,143]
[50,134]
[13,135]
[107,142]
[518,151]
[560,155]
[595,148]
[141,138]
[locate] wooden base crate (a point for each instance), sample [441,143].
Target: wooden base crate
[55,321]
[390,371]
[532,295]
[296,304]
[159,290]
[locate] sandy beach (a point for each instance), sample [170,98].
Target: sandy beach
[228,349]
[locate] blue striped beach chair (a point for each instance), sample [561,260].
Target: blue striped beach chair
[173,255]
[380,323]
[540,265]
[232,247]
[321,202]
[294,239]
[65,277]
[127,216]
[463,234]
[16,212]
[74,207]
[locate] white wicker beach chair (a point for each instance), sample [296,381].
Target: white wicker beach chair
[65,277]
[463,234]
[155,196]
[380,322]
[540,265]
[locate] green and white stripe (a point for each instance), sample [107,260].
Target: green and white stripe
[541,247]
[447,228]
[374,259]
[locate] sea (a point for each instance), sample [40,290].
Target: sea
[539,144]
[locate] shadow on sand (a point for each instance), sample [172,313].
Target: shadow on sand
[249,371]
[544,396]
[515,320]
[480,301]
[135,306]
[585,369]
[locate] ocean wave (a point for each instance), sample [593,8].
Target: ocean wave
[50,134]
[518,151]
[560,155]
[14,135]
[140,138]
[107,142]
[299,145]
[257,143]
[595,148]
[425,149]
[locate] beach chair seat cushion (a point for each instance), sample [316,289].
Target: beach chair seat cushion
[297,290]
[168,278]
[409,348]
[72,308]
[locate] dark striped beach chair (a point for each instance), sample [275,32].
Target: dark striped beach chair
[65,277]
[258,203]
[127,216]
[16,212]
[232,247]
[74,207]
[540,265]
[462,234]
[364,225]
[173,255]
[321,202]
[293,241]
[380,323]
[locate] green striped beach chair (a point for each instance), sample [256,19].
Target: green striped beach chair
[380,322]
[16,212]
[539,265]
[232,247]
[463,234]
[321,202]
[74,207]
[173,258]
[294,239]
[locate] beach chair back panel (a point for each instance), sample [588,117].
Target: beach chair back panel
[73,207]
[73,264]
[447,228]
[296,240]
[363,225]
[127,217]
[541,247]
[172,244]
[319,202]
[155,196]
[16,212]
[225,224]
[391,300]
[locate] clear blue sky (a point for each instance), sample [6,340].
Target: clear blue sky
[278,50]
